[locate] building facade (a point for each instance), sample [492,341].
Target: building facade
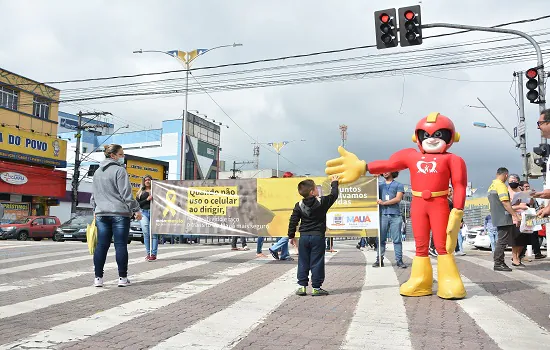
[156,152]
[30,150]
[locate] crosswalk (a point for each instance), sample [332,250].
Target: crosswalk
[209,297]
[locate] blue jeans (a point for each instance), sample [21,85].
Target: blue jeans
[147,234]
[390,226]
[362,242]
[493,236]
[107,228]
[283,245]
[311,258]
[259,245]
[460,242]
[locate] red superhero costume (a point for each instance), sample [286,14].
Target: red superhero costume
[431,170]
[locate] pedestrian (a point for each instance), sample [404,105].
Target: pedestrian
[311,214]
[144,197]
[391,193]
[113,205]
[502,216]
[491,231]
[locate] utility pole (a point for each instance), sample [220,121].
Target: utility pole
[235,170]
[256,154]
[76,170]
[344,134]
[522,129]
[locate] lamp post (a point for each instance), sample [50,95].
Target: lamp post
[278,146]
[186,58]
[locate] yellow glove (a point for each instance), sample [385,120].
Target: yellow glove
[348,167]
[453,226]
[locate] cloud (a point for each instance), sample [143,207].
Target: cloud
[67,39]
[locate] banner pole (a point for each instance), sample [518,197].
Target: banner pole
[150,228]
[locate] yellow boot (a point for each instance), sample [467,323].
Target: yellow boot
[421,280]
[449,283]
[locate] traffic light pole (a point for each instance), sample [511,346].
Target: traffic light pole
[522,134]
[540,62]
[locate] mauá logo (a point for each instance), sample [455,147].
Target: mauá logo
[358,219]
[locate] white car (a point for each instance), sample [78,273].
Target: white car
[473,235]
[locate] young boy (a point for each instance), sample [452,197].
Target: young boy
[312,212]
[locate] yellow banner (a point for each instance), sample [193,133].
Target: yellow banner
[355,213]
[138,169]
[30,147]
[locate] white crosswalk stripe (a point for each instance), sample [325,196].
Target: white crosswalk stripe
[377,316]
[371,322]
[79,293]
[227,327]
[56,277]
[502,321]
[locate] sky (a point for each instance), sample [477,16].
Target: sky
[63,40]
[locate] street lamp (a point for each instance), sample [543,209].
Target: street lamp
[278,146]
[185,58]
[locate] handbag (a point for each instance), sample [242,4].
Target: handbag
[91,236]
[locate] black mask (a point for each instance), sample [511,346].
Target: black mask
[514,185]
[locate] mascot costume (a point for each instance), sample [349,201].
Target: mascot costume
[431,170]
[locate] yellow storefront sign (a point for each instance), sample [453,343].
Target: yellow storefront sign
[138,169]
[30,147]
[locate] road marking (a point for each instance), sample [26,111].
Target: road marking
[40,256]
[502,322]
[372,323]
[539,283]
[227,327]
[38,281]
[83,328]
[43,264]
[79,293]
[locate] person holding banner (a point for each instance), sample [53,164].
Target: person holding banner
[113,205]
[144,198]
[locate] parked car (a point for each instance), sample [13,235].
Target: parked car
[472,234]
[74,229]
[136,234]
[35,227]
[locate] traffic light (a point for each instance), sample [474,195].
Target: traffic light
[543,150]
[410,31]
[532,85]
[385,29]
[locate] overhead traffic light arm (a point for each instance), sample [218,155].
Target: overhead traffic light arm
[540,62]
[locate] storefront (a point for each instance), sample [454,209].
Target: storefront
[29,183]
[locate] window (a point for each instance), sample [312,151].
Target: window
[41,108]
[8,98]
[50,221]
[189,170]
[38,222]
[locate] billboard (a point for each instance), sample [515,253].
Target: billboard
[138,167]
[14,211]
[257,207]
[34,148]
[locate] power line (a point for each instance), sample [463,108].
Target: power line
[275,58]
[246,133]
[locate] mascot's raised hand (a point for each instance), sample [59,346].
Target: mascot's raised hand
[348,167]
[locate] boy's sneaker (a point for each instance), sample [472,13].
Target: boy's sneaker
[98,282]
[377,263]
[274,254]
[246,248]
[123,281]
[301,291]
[318,292]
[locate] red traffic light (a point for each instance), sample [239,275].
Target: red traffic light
[531,73]
[384,18]
[409,15]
